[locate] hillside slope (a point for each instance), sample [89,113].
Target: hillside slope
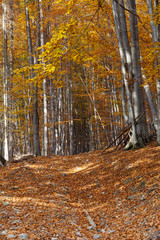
[87,196]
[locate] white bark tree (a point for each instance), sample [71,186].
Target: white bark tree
[45,111]
[10,124]
[125,55]
[70,109]
[157,4]
[138,98]
[131,69]
[155,26]
[5,80]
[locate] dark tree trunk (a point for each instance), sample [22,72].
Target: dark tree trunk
[36,141]
[2,161]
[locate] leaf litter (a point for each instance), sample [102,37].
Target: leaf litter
[115,195]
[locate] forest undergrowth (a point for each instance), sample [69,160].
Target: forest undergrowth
[115,195]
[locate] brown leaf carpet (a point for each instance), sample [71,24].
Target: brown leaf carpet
[86,196]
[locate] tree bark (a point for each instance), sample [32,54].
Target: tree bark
[125,55]
[37,150]
[151,105]
[157,64]
[71,112]
[45,111]
[5,80]
[138,97]
[52,92]
[10,125]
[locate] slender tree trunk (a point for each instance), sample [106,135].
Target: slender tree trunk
[45,114]
[56,123]
[151,105]
[5,80]
[52,149]
[71,113]
[67,101]
[157,4]
[60,132]
[153,25]
[154,112]
[10,85]
[37,150]
[1,136]
[95,111]
[18,150]
[90,121]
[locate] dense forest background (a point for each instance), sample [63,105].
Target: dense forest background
[73,73]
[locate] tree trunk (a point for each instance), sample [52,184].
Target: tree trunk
[37,150]
[125,55]
[153,26]
[5,80]
[124,104]
[45,114]
[98,142]
[138,97]
[10,85]
[157,63]
[155,38]
[71,112]
[52,148]
[2,161]
[151,105]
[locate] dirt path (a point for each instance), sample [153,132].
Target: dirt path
[86,196]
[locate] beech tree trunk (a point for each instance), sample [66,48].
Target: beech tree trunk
[11,144]
[45,113]
[154,111]
[71,113]
[125,55]
[36,142]
[157,4]
[151,106]
[98,142]
[131,69]
[52,132]
[5,80]
[138,98]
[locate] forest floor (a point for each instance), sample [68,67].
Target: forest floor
[86,196]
